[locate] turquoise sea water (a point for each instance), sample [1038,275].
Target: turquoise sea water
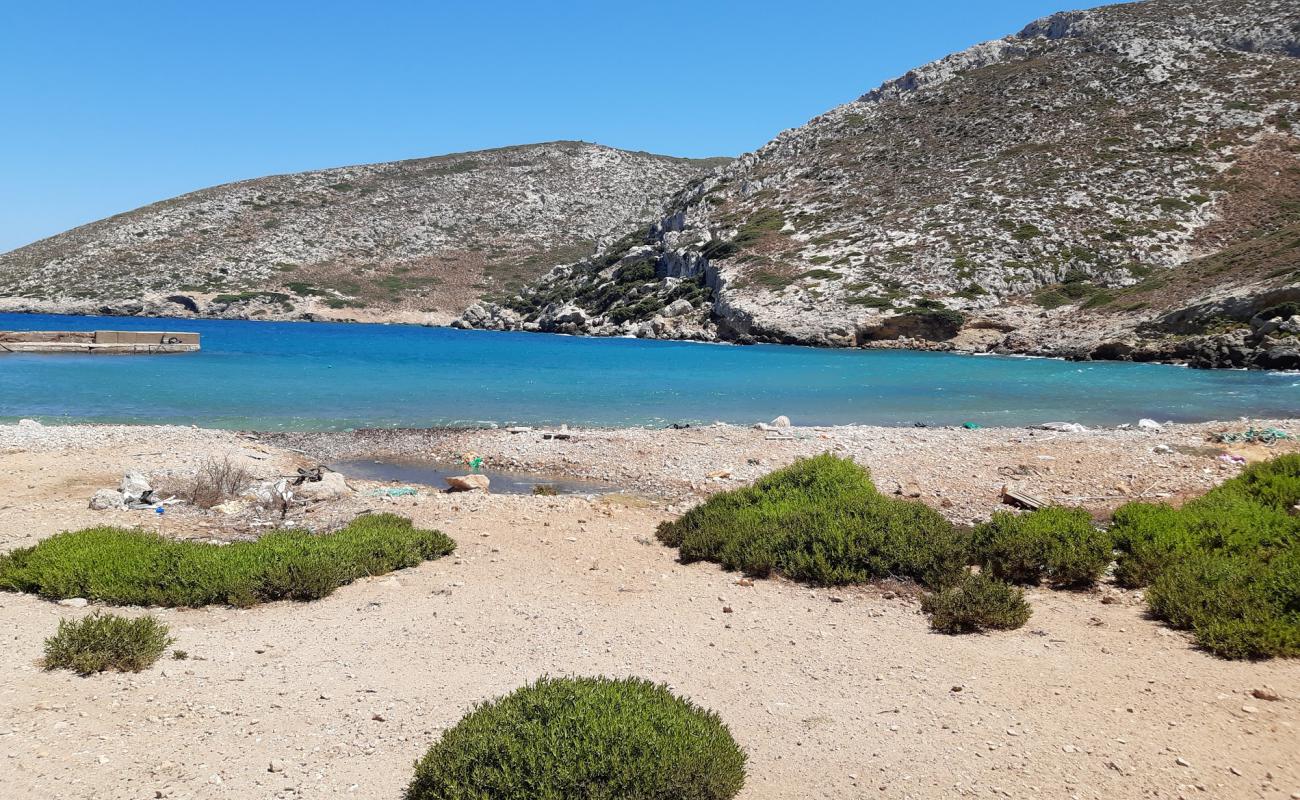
[302,376]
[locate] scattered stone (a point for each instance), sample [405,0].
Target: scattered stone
[1150,425]
[468,483]
[74,602]
[276,765]
[1265,693]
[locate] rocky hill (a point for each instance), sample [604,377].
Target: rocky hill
[414,240]
[1122,182]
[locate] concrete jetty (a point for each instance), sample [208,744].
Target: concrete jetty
[144,342]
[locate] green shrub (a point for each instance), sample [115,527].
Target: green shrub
[976,603]
[1225,566]
[820,520]
[133,567]
[1059,544]
[101,642]
[595,738]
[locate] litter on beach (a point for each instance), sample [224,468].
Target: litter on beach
[1265,436]
[394,491]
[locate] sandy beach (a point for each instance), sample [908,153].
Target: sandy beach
[833,693]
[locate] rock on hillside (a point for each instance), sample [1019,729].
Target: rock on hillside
[414,239]
[1120,182]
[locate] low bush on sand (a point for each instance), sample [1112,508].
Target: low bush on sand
[1225,566]
[214,482]
[133,567]
[1059,544]
[101,642]
[820,520]
[563,738]
[976,603]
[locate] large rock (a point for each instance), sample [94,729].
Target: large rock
[331,486]
[136,489]
[677,308]
[468,483]
[106,500]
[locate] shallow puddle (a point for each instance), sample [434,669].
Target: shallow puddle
[431,473]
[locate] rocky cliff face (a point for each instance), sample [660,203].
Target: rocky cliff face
[413,240]
[1120,182]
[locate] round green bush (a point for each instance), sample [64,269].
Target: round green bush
[977,603]
[1060,544]
[570,738]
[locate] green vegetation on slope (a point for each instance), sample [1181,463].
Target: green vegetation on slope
[134,567]
[557,739]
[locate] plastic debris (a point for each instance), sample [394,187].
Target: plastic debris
[971,426]
[1253,435]
[394,491]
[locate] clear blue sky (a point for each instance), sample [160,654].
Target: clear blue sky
[108,106]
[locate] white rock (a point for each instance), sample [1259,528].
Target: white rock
[677,308]
[230,507]
[29,423]
[74,602]
[1150,425]
[331,486]
[135,488]
[106,499]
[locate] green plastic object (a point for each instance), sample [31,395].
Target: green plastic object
[971,426]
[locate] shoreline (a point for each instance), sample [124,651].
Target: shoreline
[957,471]
[1168,350]
[347,691]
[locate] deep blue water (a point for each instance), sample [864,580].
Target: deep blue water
[300,376]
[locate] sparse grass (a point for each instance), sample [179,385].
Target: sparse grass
[214,482]
[274,298]
[101,642]
[1025,232]
[1059,544]
[977,603]
[594,738]
[134,567]
[1225,566]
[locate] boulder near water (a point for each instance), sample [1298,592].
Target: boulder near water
[331,486]
[468,483]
